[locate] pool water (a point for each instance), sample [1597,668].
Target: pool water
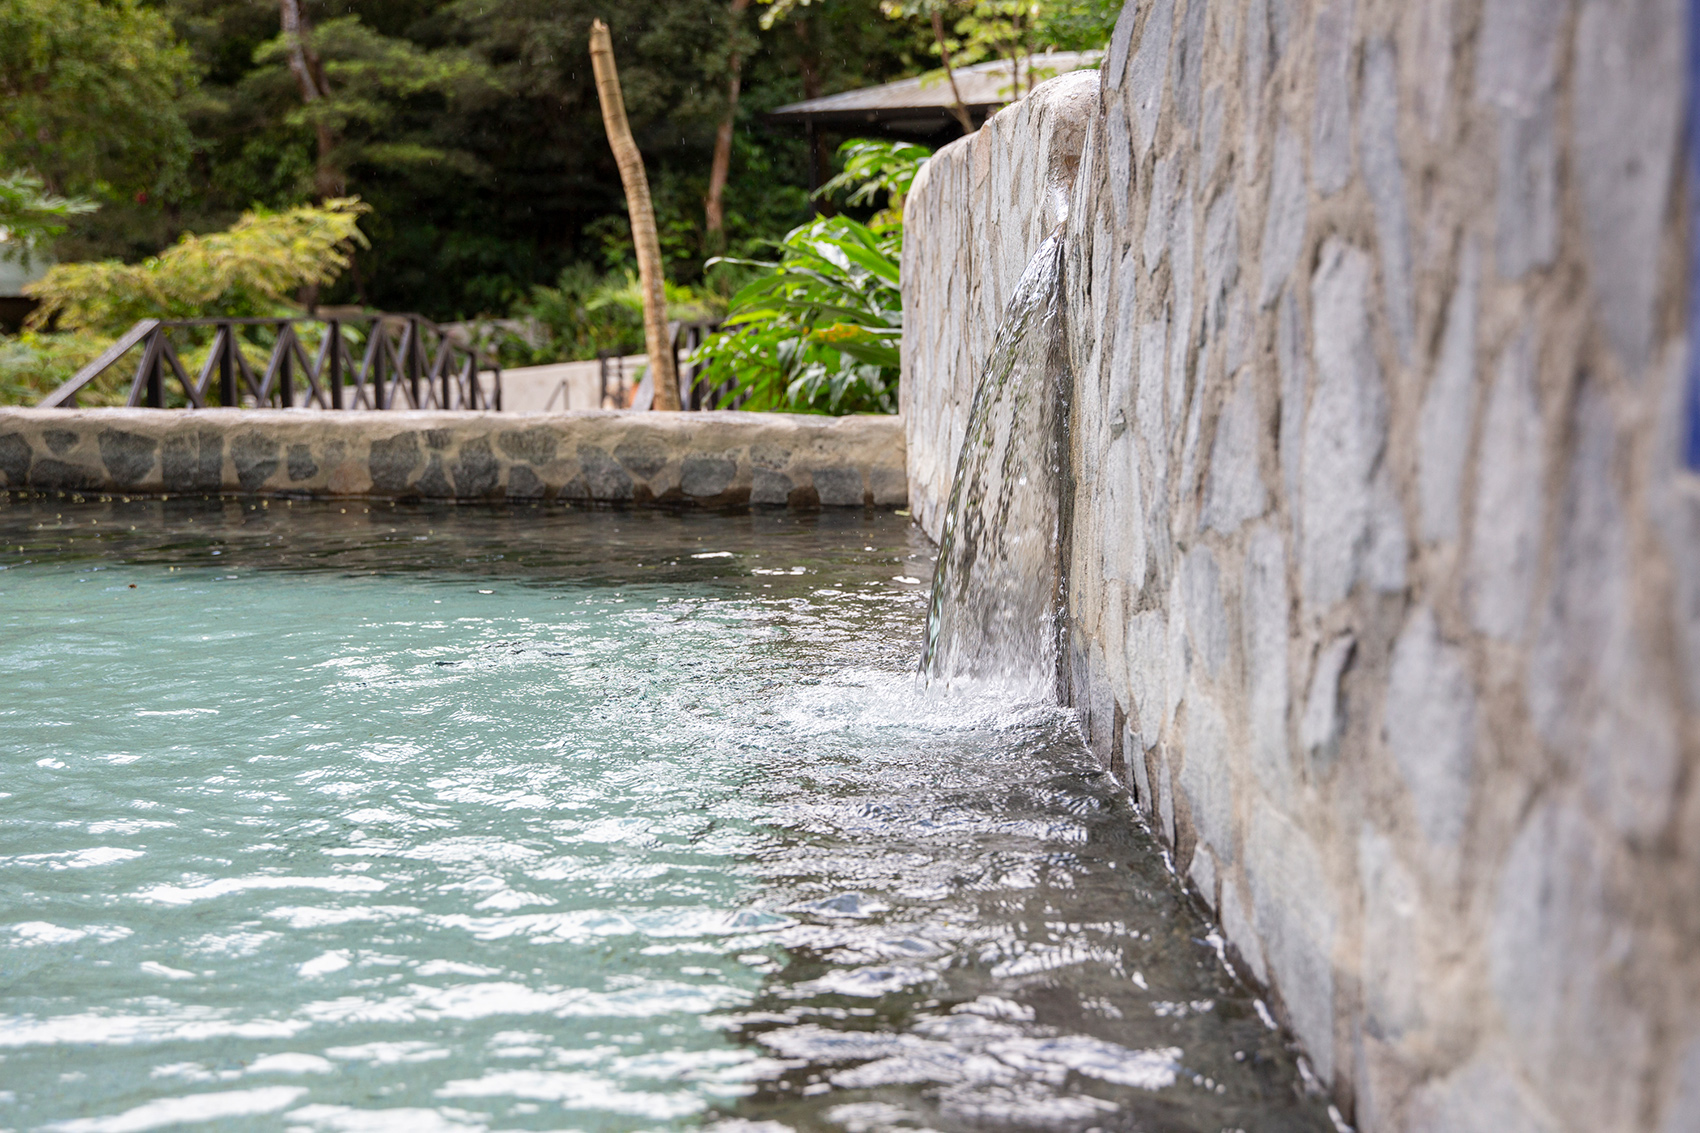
[336,817]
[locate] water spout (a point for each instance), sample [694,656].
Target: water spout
[998,588]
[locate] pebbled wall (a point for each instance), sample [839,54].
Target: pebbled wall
[720,459]
[1385,569]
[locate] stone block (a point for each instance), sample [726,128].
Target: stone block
[1206,612]
[1627,117]
[1237,927]
[1429,726]
[1392,923]
[1233,490]
[1384,175]
[1207,776]
[1345,428]
[1485,1095]
[1320,725]
[1443,430]
[1331,127]
[1506,529]
[1147,74]
[1264,624]
[1294,911]
[1288,212]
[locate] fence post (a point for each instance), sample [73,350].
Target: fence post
[334,329]
[412,360]
[227,395]
[285,372]
[156,376]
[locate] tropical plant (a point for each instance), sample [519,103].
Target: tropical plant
[818,332]
[30,214]
[250,269]
[877,165]
[585,314]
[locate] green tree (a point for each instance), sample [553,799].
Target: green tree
[251,269]
[90,92]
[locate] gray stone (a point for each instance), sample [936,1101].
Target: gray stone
[1148,669]
[1485,1095]
[1181,241]
[1206,776]
[1206,615]
[1627,113]
[1590,690]
[641,458]
[1294,372]
[1331,130]
[1202,871]
[439,440]
[1253,77]
[1165,184]
[1233,489]
[1392,973]
[392,460]
[1320,725]
[128,456]
[1387,549]
[534,446]
[1153,420]
[476,470]
[1384,175]
[1443,431]
[523,483]
[1431,64]
[839,487]
[255,457]
[1165,798]
[768,487]
[1189,65]
[1293,909]
[301,465]
[60,441]
[1430,726]
[1284,223]
[192,461]
[52,475]
[600,477]
[1345,428]
[1506,529]
[1221,259]
[1237,927]
[1263,621]
[1115,65]
[1549,942]
[1210,142]
[1682,1111]
[1516,72]
[1148,72]
[15,456]
[706,477]
[433,483]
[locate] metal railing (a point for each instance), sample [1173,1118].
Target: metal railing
[406,362]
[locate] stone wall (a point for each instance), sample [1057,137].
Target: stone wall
[1385,568]
[721,459]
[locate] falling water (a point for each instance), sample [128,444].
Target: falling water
[997,595]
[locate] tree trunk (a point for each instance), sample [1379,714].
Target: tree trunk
[642,213]
[309,75]
[722,167]
[957,108]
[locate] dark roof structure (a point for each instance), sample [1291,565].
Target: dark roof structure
[921,107]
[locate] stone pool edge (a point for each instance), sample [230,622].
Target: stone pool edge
[716,459]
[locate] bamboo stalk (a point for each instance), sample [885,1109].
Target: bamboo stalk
[642,213]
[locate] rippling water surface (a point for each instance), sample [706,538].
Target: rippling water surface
[324,818]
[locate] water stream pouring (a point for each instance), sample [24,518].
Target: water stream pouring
[998,588]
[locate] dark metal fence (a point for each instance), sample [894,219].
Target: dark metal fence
[405,362]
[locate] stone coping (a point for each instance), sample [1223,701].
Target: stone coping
[722,459]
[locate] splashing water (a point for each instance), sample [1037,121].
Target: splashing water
[997,595]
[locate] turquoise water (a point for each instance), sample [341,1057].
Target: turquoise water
[329,818]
